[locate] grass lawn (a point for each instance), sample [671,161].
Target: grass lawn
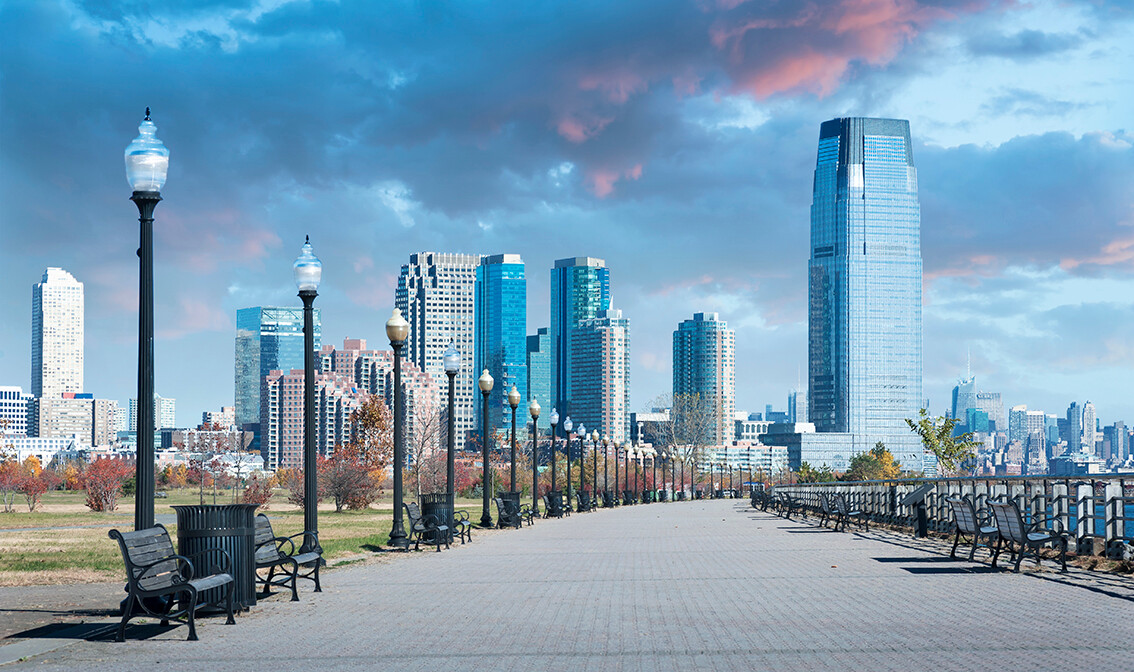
[64,542]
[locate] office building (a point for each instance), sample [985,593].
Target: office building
[1090,428]
[78,416]
[704,364]
[13,411]
[1074,436]
[501,335]
[57,334]
[539,370]
[437,296]
[580,290]
[864,285]
[268,338]
[600,371]
[165,413]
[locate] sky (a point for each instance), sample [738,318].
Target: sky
[674,139]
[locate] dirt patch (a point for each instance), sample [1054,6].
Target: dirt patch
[54,577]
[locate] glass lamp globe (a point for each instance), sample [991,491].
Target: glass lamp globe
[605,439]
[533,409]
[567,425]
[582,430]
[513,397]
[485,382]
[147,159]
[554,417]
[307,269]
[397,329]
[452,359]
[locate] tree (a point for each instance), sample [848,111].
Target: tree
[103,481]
[692,424]
[809,474]
[877,464]
[9,483]
[258,490]
[937,437]
[423,446]
[32,486]
[346,479]
[372,435]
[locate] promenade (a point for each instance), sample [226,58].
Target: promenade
[708,585]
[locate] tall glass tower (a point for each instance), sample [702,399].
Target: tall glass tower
[580,290]
[864,282]
[267,339]
[704,363]
[501,335]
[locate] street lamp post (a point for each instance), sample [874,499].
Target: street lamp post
[397,329]
[605,461]
[308,271]
[485,384]
[513,401]
[554,421]
[147,161]
[533,409]
[452,364]
[617,457]
[567,426]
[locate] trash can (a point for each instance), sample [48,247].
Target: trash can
[221,527]
[437,504]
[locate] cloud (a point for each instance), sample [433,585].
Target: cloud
[1021,102]
[1024,44]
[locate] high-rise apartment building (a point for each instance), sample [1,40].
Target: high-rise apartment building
[57,334]
[600,371]
[13,411]
[864,284]
[165,413]
[267,339]
[92,422]
[282,425]
[501,334]
[539,369]
[224,418]
[580,290]
[437,296]
[704,364]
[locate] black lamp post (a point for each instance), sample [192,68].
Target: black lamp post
[567,427]
[485,384]
[513,401]
[533,409]
[605,461]
[617,457]
[397,329]
[554,421]
[147,161]
[452,363]
[308,271]
[582,462]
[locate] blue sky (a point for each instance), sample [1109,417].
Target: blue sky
[674,139]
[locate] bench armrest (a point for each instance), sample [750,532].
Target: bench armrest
[314,540]
[279,543]
[1057,527]
[184,568]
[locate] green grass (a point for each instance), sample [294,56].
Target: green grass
[38,555]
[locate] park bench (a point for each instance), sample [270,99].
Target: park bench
[552,506]
[787,505]
[506,516]
[274,553]
[1011,530]
[827,510]
[607,499]
[583,500]
[973,524]
[462,526]
[628,498]
[156,574]
[425,529]
[846,513]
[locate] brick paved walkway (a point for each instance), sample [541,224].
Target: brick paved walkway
[681,586]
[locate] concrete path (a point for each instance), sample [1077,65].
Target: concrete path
[681,586]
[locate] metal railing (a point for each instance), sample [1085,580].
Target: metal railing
[1089,507]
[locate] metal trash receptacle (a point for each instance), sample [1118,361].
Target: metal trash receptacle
[228,527]
[438,505]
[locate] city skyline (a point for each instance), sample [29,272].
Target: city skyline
[652,139]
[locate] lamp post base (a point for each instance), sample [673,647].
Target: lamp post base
[486,522]
[398,538]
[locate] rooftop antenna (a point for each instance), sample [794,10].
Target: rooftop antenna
[969,362]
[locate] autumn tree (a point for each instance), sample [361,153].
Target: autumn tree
[345,478]
[427,469]
[875,465]
[103,481]
[372,435]
[952,452]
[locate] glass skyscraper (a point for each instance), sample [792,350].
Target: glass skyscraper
[501,335]
[267,339]
[704,363]
[539,369]
[580,290]
[864,322]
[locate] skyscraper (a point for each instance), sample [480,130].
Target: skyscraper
[864,283]
[1090,425]
[1074,427]
[964,397]
[580,290]
[539,368]
[704,363]
[267,339]
[57,334]
[501,333]
[600,369]
[437,296]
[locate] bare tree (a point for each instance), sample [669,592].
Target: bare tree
[424,443]
[693,419]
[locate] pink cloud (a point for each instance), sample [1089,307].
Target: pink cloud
[602,180]
[580,130]
[1118,252]
[373,292]
[192,316]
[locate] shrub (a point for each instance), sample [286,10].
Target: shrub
[258,490]
[103,482]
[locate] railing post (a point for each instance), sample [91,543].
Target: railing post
[1038,499]
[1060,509]
[1016,495]
[1114,511]
[1084,511]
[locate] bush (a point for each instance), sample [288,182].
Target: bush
[258,490]
[103,482]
